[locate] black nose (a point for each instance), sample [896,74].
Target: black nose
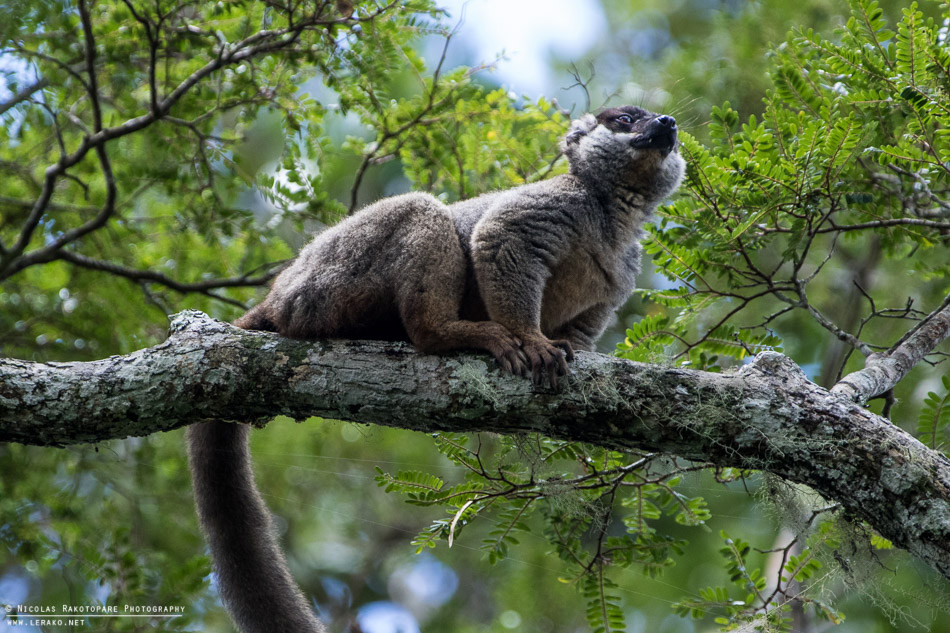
[666,121]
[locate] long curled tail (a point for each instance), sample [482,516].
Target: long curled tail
[253,578]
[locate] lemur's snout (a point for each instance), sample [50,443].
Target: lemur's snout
[659,134]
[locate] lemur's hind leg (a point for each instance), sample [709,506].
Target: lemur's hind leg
[429,293]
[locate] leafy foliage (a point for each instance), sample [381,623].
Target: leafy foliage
[932,426]
[577,490]
[753,591]
[848,157]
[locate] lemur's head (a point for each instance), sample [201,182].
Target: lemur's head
[626,146]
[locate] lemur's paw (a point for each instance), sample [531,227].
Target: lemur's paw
[506,348]
[548,359]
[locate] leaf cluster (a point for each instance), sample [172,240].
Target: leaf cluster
[573,494]
[786,215]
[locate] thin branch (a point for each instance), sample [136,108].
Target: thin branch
[883,371]
[93,84]
[204,287]
[56,206]
[390,134]
[152,54]
[74,68]
[580,82]
[23,95]
[829,325]
[877,224]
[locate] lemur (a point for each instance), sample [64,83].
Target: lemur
[528,274]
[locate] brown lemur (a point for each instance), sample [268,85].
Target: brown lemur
[528,274]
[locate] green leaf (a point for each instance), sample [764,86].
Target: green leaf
[934,419]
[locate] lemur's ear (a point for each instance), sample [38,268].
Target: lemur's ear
[580,128]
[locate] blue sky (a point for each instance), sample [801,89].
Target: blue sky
[528,31]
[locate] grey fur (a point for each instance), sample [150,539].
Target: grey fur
[528,274]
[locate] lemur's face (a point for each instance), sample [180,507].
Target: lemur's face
[648,130]
[627,145]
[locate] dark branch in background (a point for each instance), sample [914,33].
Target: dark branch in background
[767,416]
[108,208]
[23,95]
[205,287]
[883,371]
[152,52]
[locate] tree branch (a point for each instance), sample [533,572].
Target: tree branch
[202,287]
[23,95]
[767,416]
[879,224]
[882,371]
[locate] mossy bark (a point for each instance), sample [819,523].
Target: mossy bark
[767,416]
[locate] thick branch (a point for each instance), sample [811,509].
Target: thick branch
[883,371]
[767,416]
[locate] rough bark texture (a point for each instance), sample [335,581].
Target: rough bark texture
[767,416]
[882,371]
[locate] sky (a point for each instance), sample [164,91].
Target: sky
[9,64]
[527,31]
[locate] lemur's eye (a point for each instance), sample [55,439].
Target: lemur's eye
[625,118]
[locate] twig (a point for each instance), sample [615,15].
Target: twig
[23,95]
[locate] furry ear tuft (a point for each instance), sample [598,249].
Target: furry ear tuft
[580,128]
